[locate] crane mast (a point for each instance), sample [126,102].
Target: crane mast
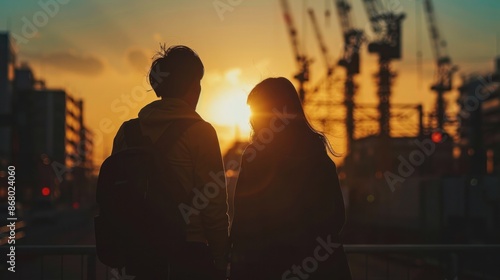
[353,38]
[302,61]
[386,25]
[445,69]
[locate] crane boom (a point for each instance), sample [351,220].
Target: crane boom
[292,30]
[302,61]
[438,44]
[374,11]
[353,38]
[444,68]
[321,42]
[344,13]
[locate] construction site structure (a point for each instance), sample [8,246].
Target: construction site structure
[386,26]
[444,67]
[300,58]
[401,179]
[329,66]
[353,39]
[321,42]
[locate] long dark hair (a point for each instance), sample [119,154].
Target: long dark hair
[278,96]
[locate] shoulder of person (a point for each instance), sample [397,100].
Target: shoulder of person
[119,139]
[201,128]
[256,154]
[203,136]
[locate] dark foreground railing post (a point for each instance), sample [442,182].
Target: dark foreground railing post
[91,267]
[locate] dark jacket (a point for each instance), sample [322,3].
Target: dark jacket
[197,162]
[287,204]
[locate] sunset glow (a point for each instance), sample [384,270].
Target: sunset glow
[230,109]
[108,68]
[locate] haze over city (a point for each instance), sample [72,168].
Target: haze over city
[104,58]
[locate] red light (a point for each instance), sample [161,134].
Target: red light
[437,137]
[45,191]
[76,205]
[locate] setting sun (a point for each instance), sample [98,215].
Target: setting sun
[230,109]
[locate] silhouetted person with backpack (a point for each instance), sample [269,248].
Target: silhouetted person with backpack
[288,206]
[184,220]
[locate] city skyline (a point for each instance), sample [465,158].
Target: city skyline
[103,58]
[407,93]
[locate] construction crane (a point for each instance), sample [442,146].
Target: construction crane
[302,61]
[353,38]
[325,53]
[445,69]
[386,26]
[322,45]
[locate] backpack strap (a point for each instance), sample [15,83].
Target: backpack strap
[133,133]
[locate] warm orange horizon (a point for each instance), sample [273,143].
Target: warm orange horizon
[104,58]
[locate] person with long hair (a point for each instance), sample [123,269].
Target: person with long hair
[288,206]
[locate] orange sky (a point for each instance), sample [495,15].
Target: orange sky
[100,51]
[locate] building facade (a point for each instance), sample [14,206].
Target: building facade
[479,118]
[7,64]
[53,142]
[42,133]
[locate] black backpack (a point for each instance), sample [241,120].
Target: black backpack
[138,197]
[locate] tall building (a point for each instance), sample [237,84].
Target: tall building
[491,130]
[42,133]
[479,117]
[7,64]
[53,147]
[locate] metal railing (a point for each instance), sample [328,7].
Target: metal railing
[31,261]
[440,262]
[367,262]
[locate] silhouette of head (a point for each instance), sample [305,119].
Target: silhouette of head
[176,72]
[272,97]
[275,105]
